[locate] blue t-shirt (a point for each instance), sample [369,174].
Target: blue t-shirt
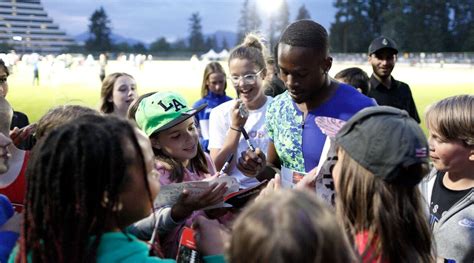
[299,145]
[202,118]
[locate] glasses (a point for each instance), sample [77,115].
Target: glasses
[3,80]
[248,79]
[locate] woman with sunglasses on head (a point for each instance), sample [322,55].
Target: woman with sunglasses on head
[247,71]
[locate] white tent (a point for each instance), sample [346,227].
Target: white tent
[223,54]
[210,55]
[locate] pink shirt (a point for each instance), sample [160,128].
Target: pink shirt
[171,240]
[367,253]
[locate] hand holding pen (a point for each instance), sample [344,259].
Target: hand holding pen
[247,139]
[226,164]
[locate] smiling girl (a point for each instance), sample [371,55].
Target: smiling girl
[118,91]
[247,71]
[168,122]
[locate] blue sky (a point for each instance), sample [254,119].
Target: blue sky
[147,20]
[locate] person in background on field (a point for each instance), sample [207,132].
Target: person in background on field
[102,66]
[273,84]
[385,89]
[355,77]
[87,182]
[169,122]
[213,88]
[118,91]
[247,71]
[449,190]
[376,181]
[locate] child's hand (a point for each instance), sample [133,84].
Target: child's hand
[308,181]
[187,204]
[251,163]
[272,186]
[237,119]
[210,236]
[19,135]
[214,176]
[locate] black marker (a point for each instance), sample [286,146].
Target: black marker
[247,139]
[226,164]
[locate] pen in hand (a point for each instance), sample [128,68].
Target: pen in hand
[226,164]
[247,139]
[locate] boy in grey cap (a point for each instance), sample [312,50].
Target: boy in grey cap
[382,86]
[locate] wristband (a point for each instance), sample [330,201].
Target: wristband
[235,129]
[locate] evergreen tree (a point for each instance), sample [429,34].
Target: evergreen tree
[99,28]
[303,13]
[139,48]
[351,30]
[277,23]
[420,26]
[160,45]
[225,44]
[254,22]
[196,38]
[243,25]
[122,47]
[180,45]
[211,43]
[283,17]
[461,24]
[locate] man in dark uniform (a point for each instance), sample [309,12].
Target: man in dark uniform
[382,86]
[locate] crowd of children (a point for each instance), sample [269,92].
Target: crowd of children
[88,190]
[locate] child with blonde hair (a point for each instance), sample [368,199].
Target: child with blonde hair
[213,88]
[247,70]
[449,188]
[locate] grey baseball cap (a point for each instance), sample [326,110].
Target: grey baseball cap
[382,42]
[384,140]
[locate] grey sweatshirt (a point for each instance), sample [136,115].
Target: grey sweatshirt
[454,232]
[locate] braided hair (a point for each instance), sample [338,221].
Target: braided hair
[70,174]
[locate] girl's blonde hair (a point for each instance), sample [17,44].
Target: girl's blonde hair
[252,49]
[107,90]
[288,226]
[392,214]
[213,67]
[453,118]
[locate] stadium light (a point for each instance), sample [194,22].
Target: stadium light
[269,6]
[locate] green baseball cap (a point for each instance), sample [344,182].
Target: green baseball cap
[162,111]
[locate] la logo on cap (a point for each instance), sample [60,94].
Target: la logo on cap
[384,41]
[173,104]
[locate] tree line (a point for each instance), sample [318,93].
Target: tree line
[249,21]
[416,25]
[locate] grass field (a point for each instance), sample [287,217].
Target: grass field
[81,84]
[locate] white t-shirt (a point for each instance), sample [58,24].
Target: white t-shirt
[219,124]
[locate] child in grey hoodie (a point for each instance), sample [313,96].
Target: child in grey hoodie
[449,190]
